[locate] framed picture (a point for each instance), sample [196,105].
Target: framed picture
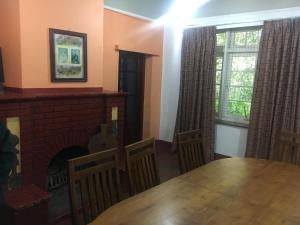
[68,56]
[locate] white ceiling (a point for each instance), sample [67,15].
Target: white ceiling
[147,8]
[155,8]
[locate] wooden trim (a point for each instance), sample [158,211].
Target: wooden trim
[118,48]
[53,90]
[12,89]
[20,94]
[142,72]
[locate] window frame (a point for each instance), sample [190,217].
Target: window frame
[224,52]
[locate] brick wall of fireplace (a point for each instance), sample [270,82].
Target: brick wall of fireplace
[52,122]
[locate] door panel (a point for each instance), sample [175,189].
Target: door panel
[131,80]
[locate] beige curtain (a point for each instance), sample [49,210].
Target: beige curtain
[276,96]
[196,106]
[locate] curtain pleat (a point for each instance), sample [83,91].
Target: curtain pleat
[196,106]
[276,94]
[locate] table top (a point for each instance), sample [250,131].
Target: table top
[229,192]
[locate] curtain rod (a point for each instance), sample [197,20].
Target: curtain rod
[230,25]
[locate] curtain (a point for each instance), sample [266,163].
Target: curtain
[276,94]
[196,106]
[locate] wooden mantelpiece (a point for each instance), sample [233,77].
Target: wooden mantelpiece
[31,94]
[38,90]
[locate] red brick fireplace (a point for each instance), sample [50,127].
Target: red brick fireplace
[53,120]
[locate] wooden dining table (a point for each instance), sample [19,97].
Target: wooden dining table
[235,191]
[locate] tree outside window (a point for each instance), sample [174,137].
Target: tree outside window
[235,69]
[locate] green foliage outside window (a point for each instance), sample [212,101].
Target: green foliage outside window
[237,65]
[246,38]
[221,38]
[219,68]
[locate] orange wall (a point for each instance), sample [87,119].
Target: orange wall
[37,16]
[24,35]
[137,35]
[10,42]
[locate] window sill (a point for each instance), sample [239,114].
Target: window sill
[233,124]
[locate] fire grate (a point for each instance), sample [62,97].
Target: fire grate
[57,180]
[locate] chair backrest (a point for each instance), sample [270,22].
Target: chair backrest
[190,150]
[288,146]
[142,166]
[94,185]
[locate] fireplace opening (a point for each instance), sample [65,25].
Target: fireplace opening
[56,182]
[57,169]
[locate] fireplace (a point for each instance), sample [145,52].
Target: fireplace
[56,182]
[57,169]
[56,125]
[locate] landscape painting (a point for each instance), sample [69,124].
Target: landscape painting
[68,55]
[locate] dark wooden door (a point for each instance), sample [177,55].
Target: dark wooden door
[131,80]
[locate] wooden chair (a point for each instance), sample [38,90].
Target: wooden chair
[142,166]
[288,146]
[190,150]
[94,185]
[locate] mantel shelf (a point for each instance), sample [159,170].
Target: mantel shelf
[15,95]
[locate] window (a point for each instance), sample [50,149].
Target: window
[235,69]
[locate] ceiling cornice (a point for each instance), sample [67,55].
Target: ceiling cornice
[128,13]
[250,18]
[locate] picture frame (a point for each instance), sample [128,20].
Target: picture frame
[68,56]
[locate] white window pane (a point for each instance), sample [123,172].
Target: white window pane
[221,37]
[219,63]
[240,94]
[242,78]
[239,38]
[243,63]
[218,89]
[245,39]
[252,38]
[235,72]
[218,77]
